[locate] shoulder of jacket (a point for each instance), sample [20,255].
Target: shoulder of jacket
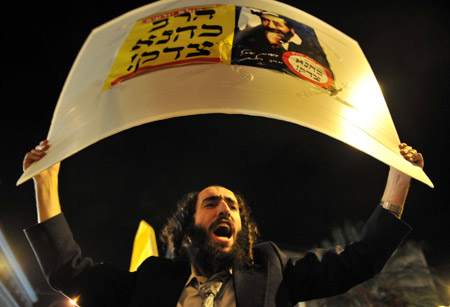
[267,249]
[160,264]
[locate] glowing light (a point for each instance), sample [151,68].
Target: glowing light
[368,113]
[74,301]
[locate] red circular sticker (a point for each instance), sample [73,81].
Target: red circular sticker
[308,69]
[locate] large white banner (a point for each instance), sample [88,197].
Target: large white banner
[255,57]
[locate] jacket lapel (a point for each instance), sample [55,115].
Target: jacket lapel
[250,286]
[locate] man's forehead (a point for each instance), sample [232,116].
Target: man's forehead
[215,191]
[273,17]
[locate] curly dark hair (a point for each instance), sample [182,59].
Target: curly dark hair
[174,232]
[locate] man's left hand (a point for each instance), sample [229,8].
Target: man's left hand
[411,155]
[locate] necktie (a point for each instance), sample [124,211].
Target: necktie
[209,289]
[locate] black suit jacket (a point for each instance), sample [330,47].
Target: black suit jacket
[274,280]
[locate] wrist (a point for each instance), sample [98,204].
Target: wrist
[45,178]
[397,187]
[394,209]
[398,176]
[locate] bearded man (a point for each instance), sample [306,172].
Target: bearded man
[215,260]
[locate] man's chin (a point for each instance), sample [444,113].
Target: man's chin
[225,247]
[211,255]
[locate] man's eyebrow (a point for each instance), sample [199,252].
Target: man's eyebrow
[216,198]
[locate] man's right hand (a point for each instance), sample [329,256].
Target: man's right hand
[45,183]
[37,154]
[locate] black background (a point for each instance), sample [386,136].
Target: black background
[299,182]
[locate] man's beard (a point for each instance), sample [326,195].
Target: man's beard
[209,258]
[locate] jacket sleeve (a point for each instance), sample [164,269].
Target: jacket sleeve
[323,273]
[67,271]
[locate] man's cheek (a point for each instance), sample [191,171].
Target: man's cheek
[273,38]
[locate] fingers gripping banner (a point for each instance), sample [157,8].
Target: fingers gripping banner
[262,58]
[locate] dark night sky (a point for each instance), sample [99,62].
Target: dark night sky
[298,181]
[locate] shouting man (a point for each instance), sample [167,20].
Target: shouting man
[215,259]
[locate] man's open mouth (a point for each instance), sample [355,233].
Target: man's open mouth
[223,230]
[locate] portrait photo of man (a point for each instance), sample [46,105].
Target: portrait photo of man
[269,40]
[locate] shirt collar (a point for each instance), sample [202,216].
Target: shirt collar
[200,279]
[294,39]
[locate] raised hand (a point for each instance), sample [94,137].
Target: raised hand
[411,155]
[45,183]
[37,154]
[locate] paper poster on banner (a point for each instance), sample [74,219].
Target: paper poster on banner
[183,36]
[208,34]
[260,58]
[269,40]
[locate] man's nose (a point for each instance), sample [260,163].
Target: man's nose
[224,209]
[271,24]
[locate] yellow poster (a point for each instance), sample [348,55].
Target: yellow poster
[188,35]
